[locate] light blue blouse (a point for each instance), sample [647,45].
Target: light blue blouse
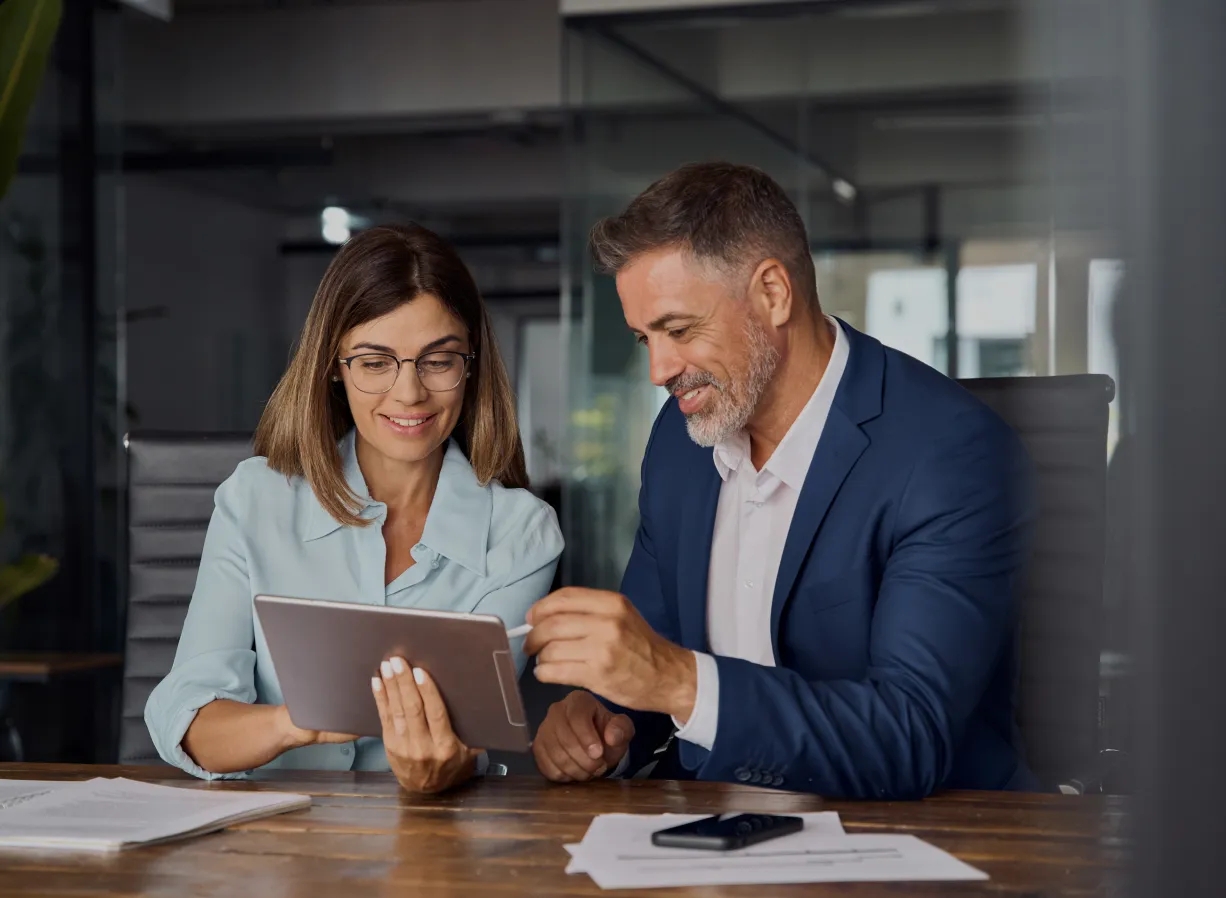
[484,549]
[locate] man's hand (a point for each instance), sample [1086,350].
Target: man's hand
[580,739]
[598,641]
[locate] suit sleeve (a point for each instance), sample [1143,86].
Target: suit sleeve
[641,585]
[945,608]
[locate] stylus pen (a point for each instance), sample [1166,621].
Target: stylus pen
[516,632]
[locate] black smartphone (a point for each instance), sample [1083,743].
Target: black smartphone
[726,833]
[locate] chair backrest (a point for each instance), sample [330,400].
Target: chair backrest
[1063,423]
[171,481]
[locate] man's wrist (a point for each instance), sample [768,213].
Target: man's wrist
[682,683]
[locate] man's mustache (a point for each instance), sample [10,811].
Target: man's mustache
[683,383]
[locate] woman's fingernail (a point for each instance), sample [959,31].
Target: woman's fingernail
[386,670]
[419,675]
[397,665]
[376,684]
[594,751]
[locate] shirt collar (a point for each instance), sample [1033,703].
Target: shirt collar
[792,457]
[730,453]
[457,524]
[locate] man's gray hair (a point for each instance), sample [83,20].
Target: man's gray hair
[730,216]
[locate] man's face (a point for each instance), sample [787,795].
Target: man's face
[705,344]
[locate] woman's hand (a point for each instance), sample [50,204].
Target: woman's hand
[422,749]
[297,737]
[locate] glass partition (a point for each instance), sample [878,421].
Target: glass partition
[61,391]
[950,161]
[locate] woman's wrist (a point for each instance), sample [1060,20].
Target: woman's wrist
[466,771]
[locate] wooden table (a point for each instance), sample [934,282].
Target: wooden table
[503,837]
[42,667]
[47,667]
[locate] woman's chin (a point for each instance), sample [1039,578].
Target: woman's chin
[405,444]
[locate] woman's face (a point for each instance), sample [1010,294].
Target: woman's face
[408,422]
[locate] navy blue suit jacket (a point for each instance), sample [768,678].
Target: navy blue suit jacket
[895,606]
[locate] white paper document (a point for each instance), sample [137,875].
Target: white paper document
[614,836]
[112,814]
[15,792]
[617,853]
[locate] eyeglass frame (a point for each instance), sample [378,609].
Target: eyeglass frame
[468,357]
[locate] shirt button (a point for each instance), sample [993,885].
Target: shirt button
[749,584]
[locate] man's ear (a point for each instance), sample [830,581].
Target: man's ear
[770,290]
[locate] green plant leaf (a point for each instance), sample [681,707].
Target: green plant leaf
[27,30]
[25,574]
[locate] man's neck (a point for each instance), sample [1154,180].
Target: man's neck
[800,371]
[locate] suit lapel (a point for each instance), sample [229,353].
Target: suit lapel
[859,399]
[840,447]
[694,555]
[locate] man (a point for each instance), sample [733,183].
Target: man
[822,594]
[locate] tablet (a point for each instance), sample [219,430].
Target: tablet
[325,654]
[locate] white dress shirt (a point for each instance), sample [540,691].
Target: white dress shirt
[751,525]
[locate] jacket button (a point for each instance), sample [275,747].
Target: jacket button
[777,781]
[741,774]
[345,750]
[755,777]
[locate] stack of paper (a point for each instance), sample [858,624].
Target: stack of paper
[112,814]
[617,853]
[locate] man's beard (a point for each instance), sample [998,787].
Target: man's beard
[734,403]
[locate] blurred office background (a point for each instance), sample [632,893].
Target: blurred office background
[189,171]
[976,176]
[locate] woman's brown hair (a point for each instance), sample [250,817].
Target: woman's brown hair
[375,273]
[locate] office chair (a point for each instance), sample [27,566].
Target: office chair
[171,481]
[1063,423]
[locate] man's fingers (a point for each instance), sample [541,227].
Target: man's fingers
[568,673]
[584,727]
[617,735]
[618,730]
[556,627]
[579,748]
[546,766]
[563,760]
[576,600]
[576,650]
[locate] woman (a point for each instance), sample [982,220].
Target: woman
[389,470]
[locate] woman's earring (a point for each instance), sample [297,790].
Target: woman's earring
[335,378]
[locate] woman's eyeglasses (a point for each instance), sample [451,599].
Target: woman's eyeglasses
[439,372]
